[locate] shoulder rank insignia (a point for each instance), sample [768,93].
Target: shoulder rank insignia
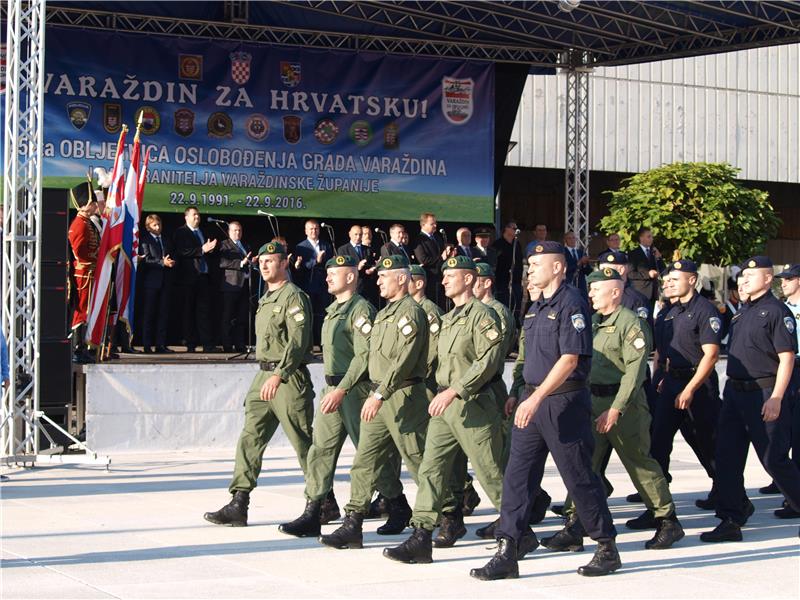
[553,314]
[299,317]
[492,334]
[277,309]
[294,309]
[431,317]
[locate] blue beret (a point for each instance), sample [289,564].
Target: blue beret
[757,262]
[683,265]
[546,247]
[613,257]
[790,271]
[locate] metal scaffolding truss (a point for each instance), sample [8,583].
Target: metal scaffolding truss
[576,192]
[21,417]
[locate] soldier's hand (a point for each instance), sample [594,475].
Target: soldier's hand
[607,420]
[441,401]
[684,399]
[331,401]
[270,388]
[525,412]
[370,408]
[511,404]
[771,409]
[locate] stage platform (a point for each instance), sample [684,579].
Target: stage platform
[137,531]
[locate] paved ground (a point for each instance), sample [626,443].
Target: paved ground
[137,532]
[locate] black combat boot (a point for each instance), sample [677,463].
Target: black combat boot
[451,529]
[329,511]
[487,533]
[416,549]
[470,501]
[307,524]
[633,498]
[569,539]
[709,502]
[605,560]
[234,513]
[646,520]
[726,531]
[399,515]
[539,509]
[527,543]
[557,509]
[669,531]
[348,535]
[772,488]
[503,564]
[378,508]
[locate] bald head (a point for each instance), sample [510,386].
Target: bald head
[606,296]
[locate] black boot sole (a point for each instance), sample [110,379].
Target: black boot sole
[298,535]
[592,573]
[665,546]
[570,548]
[208,518]
[347,546]
[481,577]
[410,561]
[720,540]
[383,530]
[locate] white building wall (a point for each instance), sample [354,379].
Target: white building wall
[739,107]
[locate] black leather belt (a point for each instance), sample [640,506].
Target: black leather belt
[600,390]
[681,374]
[268,365]
[403,384]
[753,385]
[333,379]
[568,386]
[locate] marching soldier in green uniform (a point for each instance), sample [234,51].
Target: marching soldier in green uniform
[345,353]
[395,415]
[281,392]
[416,287]
[464,416]
[621,346]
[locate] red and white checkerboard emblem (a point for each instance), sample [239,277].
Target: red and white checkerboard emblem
[240,67]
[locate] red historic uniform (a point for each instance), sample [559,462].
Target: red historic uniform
[84,241]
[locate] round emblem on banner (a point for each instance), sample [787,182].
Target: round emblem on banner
[150,119]
[751,264]
[326,131]
[387,262]
[361,133]
[257,127]
[607,271]
[539,248]
[452,262]
[340,260]
[220,125]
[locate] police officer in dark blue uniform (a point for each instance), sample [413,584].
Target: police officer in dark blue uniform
[689,391]
[555,417]
[758,398]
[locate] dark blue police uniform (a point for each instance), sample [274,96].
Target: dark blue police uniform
[759,332]
[562,425]
[690,326]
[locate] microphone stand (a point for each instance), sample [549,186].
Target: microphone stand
[276,232]
[250,348]
[332,236]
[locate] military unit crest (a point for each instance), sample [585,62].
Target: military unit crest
[220,125]
[112,117]
[290,73]
[184,122]
[79,114]
[190,66]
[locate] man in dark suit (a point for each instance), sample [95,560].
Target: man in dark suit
[613,242]
[155,282]
[578,266]
[192,249]
[508,274]
[357,250]
[311,255]
[235,261]
[645,265]
[431,253]
[464,239]
[484,252]
[395,245]
[370,278]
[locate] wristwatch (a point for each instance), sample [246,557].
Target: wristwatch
[378,395]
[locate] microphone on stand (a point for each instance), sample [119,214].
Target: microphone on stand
[330,234]
[213,220]
[384,236]
[274,226]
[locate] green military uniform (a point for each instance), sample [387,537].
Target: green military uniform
[434,315]
[398,353]
[345,353]
[283,347]
[469,349]
[621,347]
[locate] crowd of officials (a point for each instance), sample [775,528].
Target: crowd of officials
[414,339]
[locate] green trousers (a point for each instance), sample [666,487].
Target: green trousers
[630,439]
[399,426]
[292,408]
[330,432]
[472,427]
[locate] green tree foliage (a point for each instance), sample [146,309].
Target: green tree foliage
[695,210]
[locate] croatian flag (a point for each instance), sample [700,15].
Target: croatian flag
[128,256]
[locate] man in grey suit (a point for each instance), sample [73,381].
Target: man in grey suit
[235,262]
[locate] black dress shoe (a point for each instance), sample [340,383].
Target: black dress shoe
[633,497]
[787,512]
[604,562]
[210,349]
[148,350]
[130,350]
[503,564]
[164,350]
[726,531]
[233,514]
[769,489]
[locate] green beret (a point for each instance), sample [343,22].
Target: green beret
[459,262]
[390,263]
[272,248]
[484,269]
[605,274]
[417,271]
[341,261]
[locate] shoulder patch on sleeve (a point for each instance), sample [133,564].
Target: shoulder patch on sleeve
[642,312]
[485,323]
[366,328]
[295,309]
[579,322]
[299,317]
[789,322]
[492,334]
[360,321]
[434,327]
[407,329]
[639,343]
[715,323]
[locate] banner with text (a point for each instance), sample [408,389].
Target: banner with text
[236,128]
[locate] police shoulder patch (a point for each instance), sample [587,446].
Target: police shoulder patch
[715,323]
[578,322]
[642,312]
[789,322]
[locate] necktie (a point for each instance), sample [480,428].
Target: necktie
[403,250]
[574,254]
[160,245]
[241,248]
[358,251]
[467,253]
[203,264]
